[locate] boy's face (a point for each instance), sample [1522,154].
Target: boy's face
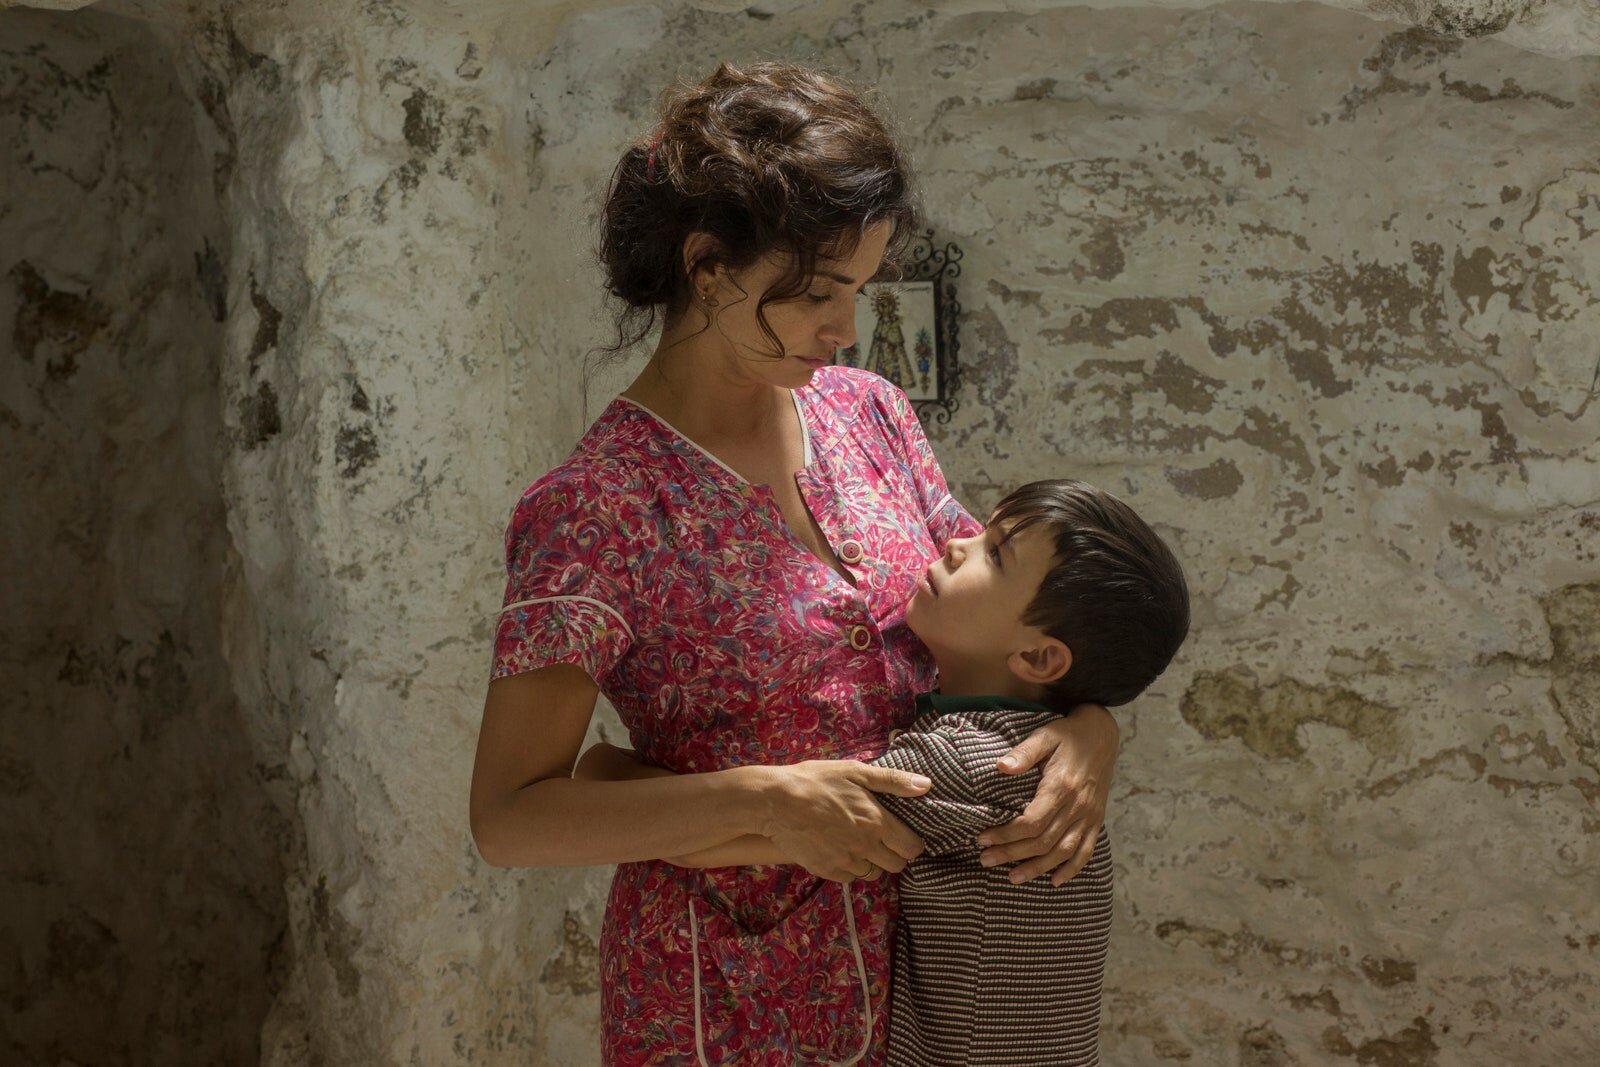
[969,604]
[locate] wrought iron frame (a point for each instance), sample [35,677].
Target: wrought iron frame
[941,266]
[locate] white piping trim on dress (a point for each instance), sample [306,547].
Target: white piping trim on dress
[805,431]
[861,972]
[607,608]
[684,438]
[805,434]
[936,507]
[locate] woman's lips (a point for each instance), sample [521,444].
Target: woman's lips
[927,579]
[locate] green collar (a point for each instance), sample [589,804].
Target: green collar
[942,704]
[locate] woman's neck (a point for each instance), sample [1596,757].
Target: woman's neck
[704,398]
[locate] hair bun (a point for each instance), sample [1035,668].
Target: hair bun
[768,157]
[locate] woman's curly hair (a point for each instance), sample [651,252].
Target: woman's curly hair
[767,158]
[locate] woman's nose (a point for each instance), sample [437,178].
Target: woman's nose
[841,332]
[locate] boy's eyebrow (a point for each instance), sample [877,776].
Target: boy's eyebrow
[1004,543]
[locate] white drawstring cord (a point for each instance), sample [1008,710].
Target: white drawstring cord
[861,972]
[694,948]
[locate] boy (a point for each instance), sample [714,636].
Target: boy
[1066,598]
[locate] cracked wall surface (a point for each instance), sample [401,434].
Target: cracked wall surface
[1315,293]
[140,854]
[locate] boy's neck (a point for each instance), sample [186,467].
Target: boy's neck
[983,680]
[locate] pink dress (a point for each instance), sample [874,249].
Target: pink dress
[722,640]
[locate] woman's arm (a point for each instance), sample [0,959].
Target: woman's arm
[751,850]
[527,809]
[606,762]
[1056,833]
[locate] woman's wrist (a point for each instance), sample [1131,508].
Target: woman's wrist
[1097,717]
[757,794]
[764,795]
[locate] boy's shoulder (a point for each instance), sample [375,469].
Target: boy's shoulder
[972,732]
[938,712]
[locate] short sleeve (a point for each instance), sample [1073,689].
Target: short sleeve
[945,516]
[567,596]
[948,817]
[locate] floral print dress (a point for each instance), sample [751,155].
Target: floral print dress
[722,640]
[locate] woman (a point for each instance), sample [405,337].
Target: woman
[725,555]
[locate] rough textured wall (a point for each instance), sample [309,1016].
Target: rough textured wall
[139,858]
[1313,292]
[1319,297]
[381,414]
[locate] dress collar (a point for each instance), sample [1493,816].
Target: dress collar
[819,416]
[804,410]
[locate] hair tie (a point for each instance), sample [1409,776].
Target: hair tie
[650,167]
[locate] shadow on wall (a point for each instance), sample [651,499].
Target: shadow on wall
[138,848]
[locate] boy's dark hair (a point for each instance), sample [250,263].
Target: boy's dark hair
[1115,594]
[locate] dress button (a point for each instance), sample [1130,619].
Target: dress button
[860,638]
[850,551]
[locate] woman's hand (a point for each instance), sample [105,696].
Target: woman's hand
[1058,830]
[826,819]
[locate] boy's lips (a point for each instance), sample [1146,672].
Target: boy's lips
[928,577]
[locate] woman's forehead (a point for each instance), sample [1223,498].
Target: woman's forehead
[850,252]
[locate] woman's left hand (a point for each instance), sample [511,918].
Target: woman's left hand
[1056,833]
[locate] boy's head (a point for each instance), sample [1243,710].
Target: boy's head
[1068,596]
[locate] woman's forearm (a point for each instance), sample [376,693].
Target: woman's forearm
[750,850]
[609,763]
[1100,725]
[576,822]
[604,762]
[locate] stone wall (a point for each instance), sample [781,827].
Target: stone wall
[1315,293]
[141,862]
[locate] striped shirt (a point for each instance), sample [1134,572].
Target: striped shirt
[986,972]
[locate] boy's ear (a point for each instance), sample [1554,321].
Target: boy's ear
[1041,663]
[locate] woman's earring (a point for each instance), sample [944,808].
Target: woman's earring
[708,301]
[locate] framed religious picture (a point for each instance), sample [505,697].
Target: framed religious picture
[906,329]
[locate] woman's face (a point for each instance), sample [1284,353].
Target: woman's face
[811,326]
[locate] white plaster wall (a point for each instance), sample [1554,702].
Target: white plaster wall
[1317,295]
[1313,292]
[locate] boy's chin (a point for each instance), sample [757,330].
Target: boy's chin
[914,619]
[920,622]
